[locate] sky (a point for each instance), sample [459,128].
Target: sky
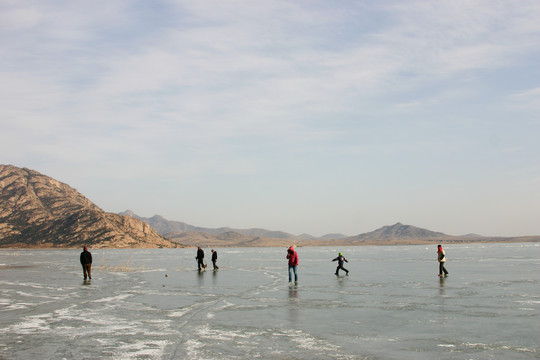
[301,116]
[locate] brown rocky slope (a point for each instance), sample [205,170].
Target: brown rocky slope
[38,211]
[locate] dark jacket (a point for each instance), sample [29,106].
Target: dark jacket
[340,260]
[214,256]
[86,257]
[200,255]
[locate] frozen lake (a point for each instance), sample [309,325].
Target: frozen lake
[392,306]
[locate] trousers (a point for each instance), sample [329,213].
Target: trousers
[293,269]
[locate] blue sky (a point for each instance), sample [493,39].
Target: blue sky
[306,117]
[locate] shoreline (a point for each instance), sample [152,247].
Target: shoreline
[266,243]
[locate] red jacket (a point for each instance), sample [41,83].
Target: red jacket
[292,256]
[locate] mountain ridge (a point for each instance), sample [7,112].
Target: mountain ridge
[170,228]
[396,234]
[39,211]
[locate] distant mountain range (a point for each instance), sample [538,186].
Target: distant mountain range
[386,235]
[177,229]
[172,229]
[38,211]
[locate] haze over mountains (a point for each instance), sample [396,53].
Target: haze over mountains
[171,229]
[224,236]
[38,211]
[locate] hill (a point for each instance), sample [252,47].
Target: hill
[38,211]
[398,232]
[177,229]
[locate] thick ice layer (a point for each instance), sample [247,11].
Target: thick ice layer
[154,304]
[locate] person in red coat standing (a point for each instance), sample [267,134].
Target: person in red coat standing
[293,263]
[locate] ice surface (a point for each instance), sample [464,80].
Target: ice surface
[392,306]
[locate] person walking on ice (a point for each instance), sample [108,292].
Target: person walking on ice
[200,259]
[86,262]
[293,263]
[340,259]
[214,259]
[441,257]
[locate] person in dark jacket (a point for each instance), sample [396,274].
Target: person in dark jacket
[214,259]
[200,259]
[340,259]
[86,262]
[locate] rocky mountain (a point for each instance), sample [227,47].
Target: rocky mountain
[398,231]
[38,211]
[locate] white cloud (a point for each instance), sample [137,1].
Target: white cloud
[183,89]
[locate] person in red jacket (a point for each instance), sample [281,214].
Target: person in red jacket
[293,263]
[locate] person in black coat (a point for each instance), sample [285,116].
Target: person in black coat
[340,259]
[86,262]
[214,259]
[200,259]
